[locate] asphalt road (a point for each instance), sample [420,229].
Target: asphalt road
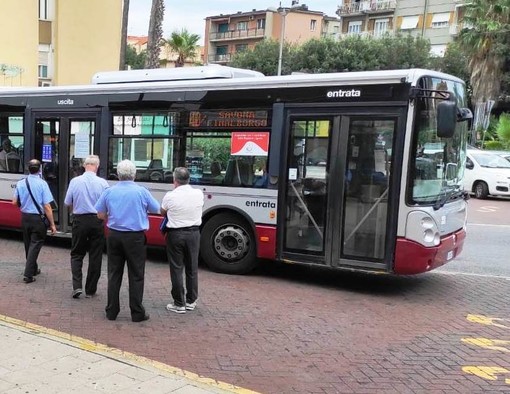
[487,247]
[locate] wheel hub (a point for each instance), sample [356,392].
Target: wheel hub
[231,243]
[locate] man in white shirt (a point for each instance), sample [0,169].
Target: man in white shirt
[183,207]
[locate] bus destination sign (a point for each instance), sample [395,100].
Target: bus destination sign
[228,118]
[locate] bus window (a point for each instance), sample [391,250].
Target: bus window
[147,140]
[209,159]
[11,144]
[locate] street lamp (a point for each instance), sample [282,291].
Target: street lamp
[283,12]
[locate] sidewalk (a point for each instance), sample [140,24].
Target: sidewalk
[39,360]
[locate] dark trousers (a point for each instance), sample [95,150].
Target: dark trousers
[88,236]
[182,247]
[126,246]
[34,234]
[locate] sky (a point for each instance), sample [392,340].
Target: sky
[191,14]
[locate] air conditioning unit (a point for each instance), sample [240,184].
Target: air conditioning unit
[45,84]
[252,17]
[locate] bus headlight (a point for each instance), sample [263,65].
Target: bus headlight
[422,228]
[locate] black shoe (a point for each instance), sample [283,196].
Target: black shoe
[38,272]
[111,317]
[77,293]
[87,295]
[28,280]
[144,318]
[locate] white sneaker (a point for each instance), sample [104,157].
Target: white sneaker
[192,306]
[174,308]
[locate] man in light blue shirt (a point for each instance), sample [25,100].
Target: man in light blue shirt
[126,205]
[88,230]
[34,229]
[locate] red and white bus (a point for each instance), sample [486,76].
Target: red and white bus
[331,170]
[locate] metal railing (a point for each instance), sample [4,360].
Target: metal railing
[368,34]
[367,7]
[236,34]
[223,58]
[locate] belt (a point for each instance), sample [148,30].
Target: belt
[126,231]
[190,228]
[84,214]
[31,214]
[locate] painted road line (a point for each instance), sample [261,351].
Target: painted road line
[489,225]
[487,373]
[119,355]
[444,272]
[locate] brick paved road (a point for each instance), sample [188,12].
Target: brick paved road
[291,329]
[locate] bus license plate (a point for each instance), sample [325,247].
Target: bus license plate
[449,256]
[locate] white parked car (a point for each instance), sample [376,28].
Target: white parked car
[487,173]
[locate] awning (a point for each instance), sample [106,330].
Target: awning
[409,22]
[441,17]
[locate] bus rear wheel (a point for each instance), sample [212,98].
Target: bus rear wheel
[227,244]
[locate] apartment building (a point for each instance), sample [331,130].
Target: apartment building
[439,21]
[368,18]
[436,20]
[58,42]
[226,35]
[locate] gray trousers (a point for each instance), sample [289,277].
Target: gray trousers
[182,248]
[34,234]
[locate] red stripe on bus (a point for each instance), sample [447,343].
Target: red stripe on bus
[10,215]
[266,242]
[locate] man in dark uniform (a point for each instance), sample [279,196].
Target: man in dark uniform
[34,229]
[88,229]
[126,206]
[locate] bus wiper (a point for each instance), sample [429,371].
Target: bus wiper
[448,193]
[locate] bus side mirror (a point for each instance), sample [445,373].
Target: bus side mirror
[446,118]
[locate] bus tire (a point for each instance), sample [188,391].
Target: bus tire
[227,244]
[481,190]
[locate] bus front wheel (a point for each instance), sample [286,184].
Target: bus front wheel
[227,244]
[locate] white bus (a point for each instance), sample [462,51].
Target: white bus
[327,169]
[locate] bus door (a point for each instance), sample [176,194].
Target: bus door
[337,188]
[62,141]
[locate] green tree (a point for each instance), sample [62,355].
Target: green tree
[454,62]
[327,55]
[155,33]
[486,39]
[503,129]
[184,44]
[403,51]
[264,58]
[135,60]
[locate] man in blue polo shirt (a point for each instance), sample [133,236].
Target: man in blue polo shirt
[126,205]
[34,229]
[88,229]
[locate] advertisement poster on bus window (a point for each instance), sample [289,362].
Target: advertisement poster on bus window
[249,143]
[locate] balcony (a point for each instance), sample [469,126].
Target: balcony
[374,6]
[368,34]
[349,9]
[237,34]
[220,59]
[456,28]
[367,7]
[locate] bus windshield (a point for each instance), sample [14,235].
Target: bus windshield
[437,164]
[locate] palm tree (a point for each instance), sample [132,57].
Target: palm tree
[123,38]
[184,44]
[155,33]
[484,37]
